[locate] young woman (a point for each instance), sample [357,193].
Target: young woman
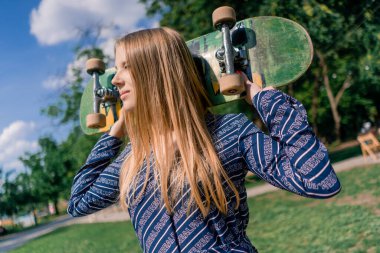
[182,174]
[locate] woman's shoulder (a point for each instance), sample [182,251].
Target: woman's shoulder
[225,122]
[124,153]
[239,123]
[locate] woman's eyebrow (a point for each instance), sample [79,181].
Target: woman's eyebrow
[121,64]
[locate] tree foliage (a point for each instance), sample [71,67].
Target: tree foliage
[345,34]
[52,168]
[341,86]
[48,171]
[66,109]
[16,194]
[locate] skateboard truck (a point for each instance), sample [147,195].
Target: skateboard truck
[102,96]
[224,19]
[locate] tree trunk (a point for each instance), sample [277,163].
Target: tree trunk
[13,218]
[334,101]
[35,216]
[314,104]
[56,207]
[290,90]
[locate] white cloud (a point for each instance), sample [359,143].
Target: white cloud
[54,82]
[16,139]
[57,82]
[108,47]
[56,21]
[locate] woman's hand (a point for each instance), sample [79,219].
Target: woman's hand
[118,129]
[252,88]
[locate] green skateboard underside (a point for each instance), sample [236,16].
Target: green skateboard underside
[87,101]
[278,51]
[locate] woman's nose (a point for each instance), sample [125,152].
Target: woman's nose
[115,80]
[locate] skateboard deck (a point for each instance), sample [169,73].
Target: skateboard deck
[273,51]
[278,52]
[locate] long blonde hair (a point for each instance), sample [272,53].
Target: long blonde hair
[170,99]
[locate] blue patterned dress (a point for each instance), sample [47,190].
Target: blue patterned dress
[290,158]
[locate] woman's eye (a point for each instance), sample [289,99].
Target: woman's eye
[126,66]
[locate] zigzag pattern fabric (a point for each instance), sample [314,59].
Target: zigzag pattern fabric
[290,157]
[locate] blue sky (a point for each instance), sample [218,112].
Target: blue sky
[36,47]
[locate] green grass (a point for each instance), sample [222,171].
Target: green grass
[86,238]
[253,180]
[349,222]
[279,222]
[337,156]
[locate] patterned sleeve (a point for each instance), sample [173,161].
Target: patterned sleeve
[96,185]
[291,158]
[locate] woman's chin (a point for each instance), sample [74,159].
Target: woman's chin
[127,108]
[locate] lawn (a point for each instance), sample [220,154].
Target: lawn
[279,222]
[349,222]
[86,238]
[340,155]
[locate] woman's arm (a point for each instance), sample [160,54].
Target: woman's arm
[292,157]
[96,185]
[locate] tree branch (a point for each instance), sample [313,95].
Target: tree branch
[326,80]
[346,85]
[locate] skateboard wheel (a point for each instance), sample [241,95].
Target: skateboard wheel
[95,65]
[231,84]
[96,120]
[224,15]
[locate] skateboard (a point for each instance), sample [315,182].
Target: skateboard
[100,103]
[272,51]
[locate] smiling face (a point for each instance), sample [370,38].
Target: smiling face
[123,80]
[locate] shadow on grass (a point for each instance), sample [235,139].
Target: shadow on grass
[344,154]
[279,222]
[348,222]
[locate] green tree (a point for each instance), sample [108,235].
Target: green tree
[66,109]
[8,195]
[48,177]
[345,35]
[17,196]
[74,149]
[25,197]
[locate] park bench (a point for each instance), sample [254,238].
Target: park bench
[369,145]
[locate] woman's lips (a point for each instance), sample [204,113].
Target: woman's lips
[124,93]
